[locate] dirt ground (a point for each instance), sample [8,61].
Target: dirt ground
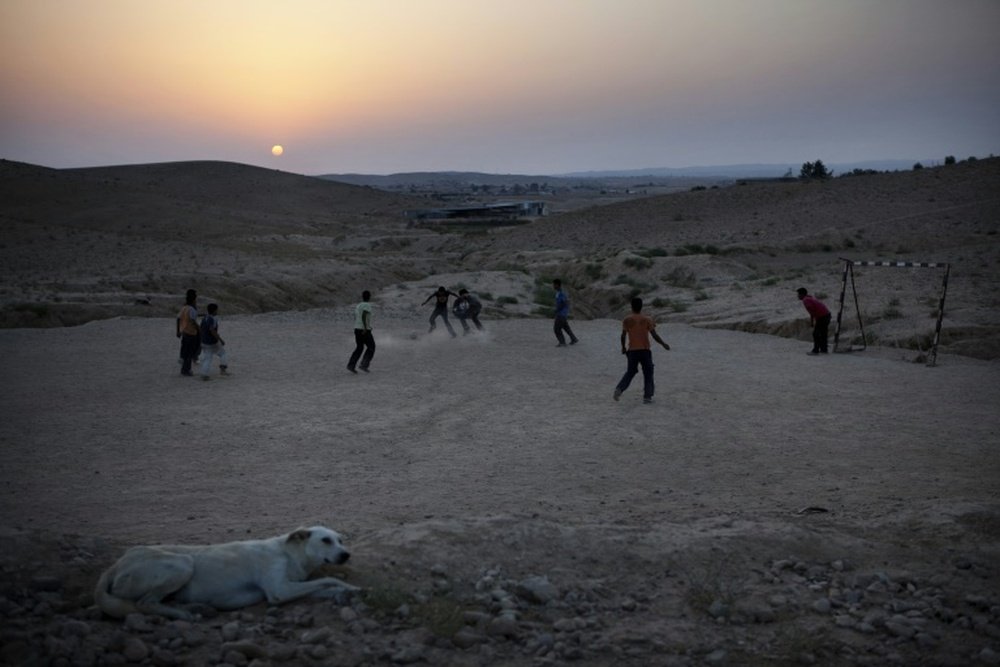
[768,508]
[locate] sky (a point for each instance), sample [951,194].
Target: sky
[499,86]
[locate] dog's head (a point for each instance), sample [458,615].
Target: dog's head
[320,545]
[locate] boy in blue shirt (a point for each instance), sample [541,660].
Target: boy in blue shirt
[561,323]
[212,343]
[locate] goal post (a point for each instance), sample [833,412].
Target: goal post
[849,265]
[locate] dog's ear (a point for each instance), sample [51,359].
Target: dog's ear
[300,535]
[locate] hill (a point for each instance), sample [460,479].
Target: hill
[566,192]
[734,171]
[734,256]
[82,244]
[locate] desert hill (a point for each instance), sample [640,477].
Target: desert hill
[733,256]
[81,244]
[162,195]
[924,210]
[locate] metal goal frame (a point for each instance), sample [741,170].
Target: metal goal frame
[849,265]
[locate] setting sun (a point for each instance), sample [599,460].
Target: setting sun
[277,150]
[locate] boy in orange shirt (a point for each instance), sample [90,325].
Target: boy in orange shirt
[638,329]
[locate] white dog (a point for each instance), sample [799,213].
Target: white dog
[224,576]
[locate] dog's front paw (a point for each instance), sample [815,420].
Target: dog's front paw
[343,595]
[340,594]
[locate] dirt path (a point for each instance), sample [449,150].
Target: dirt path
[96,417]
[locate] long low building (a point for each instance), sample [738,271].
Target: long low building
[498,211]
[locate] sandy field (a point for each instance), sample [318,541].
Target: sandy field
[768,508]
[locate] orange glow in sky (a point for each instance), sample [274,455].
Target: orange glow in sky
[536,86]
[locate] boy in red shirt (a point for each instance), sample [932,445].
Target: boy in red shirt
[637,329]
[819,317]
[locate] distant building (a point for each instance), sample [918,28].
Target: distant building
[498,211]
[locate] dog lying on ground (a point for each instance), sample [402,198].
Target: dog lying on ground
[223,576]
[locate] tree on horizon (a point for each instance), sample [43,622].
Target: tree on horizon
[814,170]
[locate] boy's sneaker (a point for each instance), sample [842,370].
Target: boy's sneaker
[223,370]
[647,400]
[617,394]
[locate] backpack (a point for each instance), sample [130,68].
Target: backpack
[207,324]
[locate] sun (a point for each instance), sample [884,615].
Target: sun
[277,150]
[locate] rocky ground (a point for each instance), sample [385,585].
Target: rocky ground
[732,598]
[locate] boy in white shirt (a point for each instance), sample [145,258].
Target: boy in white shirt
[362,334]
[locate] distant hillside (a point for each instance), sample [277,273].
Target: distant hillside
[446,179]
[82,244]
[161,194]
[733,256]
[430,179]
[451,182]
[914,204]
[747,170]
